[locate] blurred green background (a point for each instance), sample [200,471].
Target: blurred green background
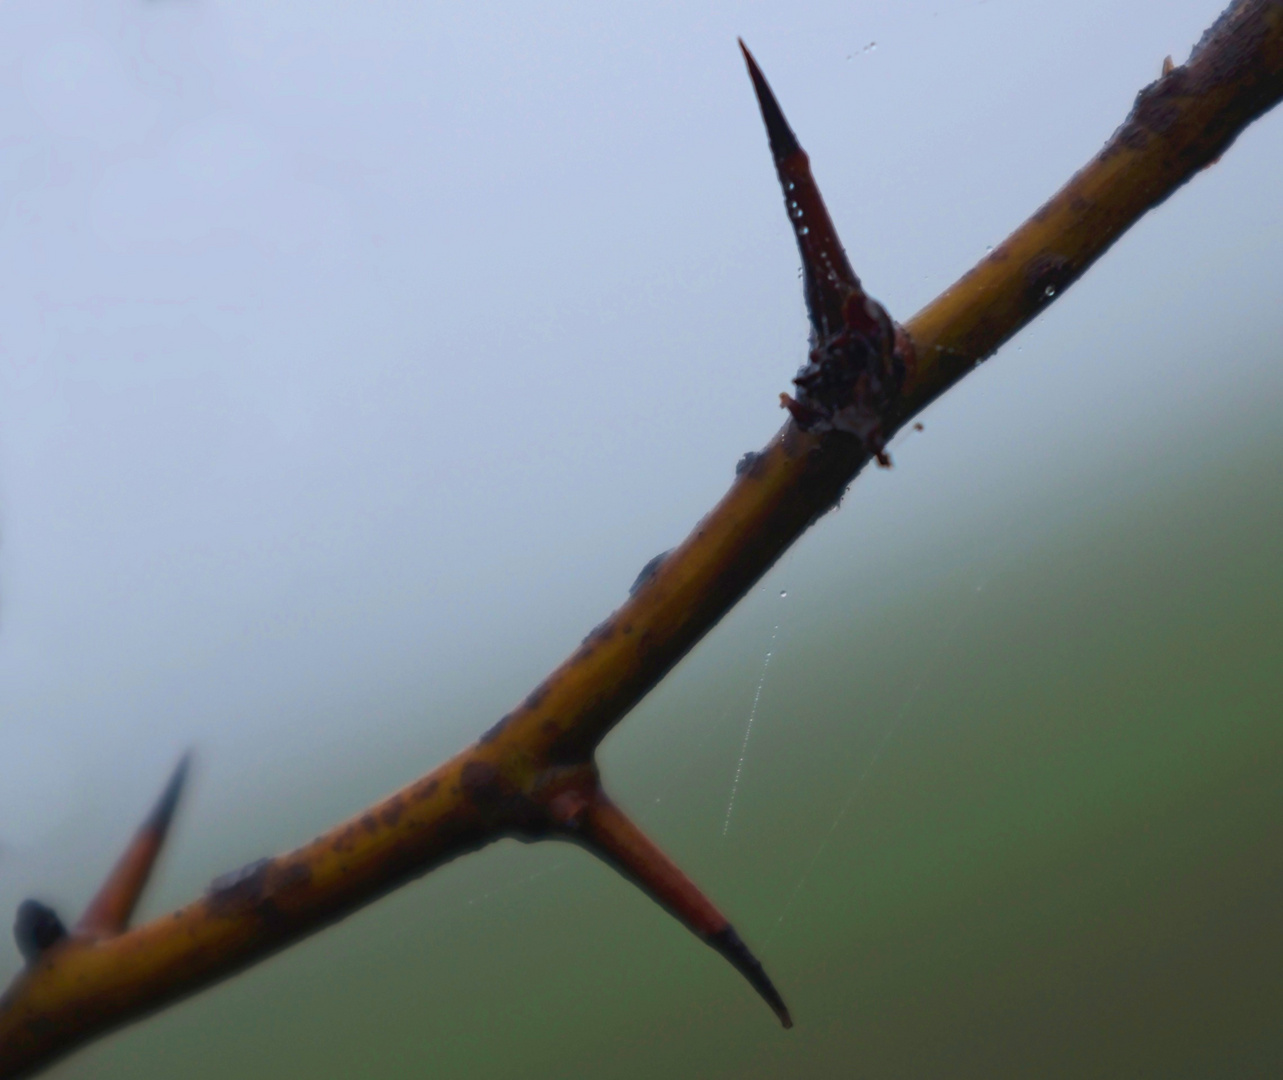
[1018,813]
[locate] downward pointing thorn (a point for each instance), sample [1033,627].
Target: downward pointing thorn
[599,825]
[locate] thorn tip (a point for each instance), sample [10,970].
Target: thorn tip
[163,812]
[727,942]
[109,911]
[604,830]
[783,142]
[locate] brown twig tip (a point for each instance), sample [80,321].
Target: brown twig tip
[109,911]
[600,826]
[783,142]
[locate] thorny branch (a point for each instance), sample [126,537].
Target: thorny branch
[533,774]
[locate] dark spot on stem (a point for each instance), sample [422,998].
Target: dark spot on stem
[1156,109]
[271,915]
[391,813]
[1134,137]
[603,631]
[1046,276]
[295,876]
[494,731]
[238,888]
[482,782]
[648,571]
[498,799]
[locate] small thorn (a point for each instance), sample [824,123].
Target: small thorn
[36,928]
[600,826]
[109,911]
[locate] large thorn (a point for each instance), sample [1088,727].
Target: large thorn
[591,819]
[109,911]
[854,370]
[829,277]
